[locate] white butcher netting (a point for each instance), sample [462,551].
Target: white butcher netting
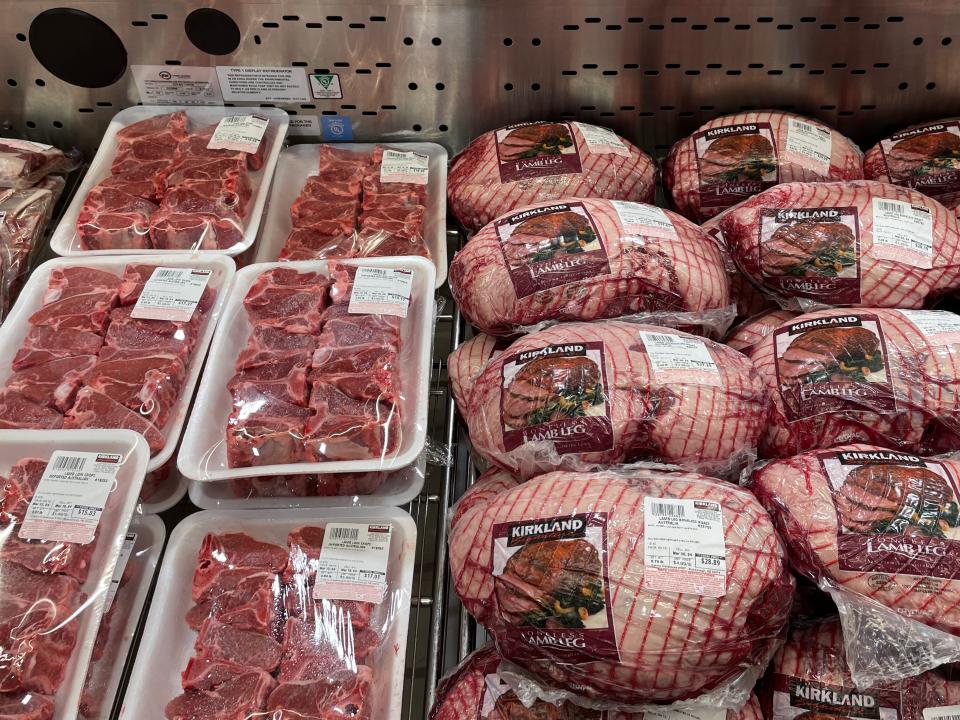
[57,565]
[879,530]
[589,259]
[852,244]
[607,588]
[24,163]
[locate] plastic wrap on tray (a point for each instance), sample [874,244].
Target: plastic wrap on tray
[588,259]
[545,161]
[578,395]
[810,673]
[733,157]
[858,243]
[24,163]
[551,568]
[880,530]
[887,377]
[54,572]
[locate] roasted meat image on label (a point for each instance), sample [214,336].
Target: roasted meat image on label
[536,149]
[559,394]
[550,584]
[735,162]
[831,364]
[551,246]
[925,158]
[812,253]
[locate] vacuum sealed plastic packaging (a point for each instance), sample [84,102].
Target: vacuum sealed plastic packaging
[467,361]
[861,243]
[732,157]
[578,395]
[532,162]
[24,163]
[107,343]
[745,336]
[553,569]
[56,564]
[887,377]
[589,259]
[286,614]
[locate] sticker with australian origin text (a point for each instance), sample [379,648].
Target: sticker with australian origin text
[937,326]
[381,291]
[794,697]
[735,162]
[902,232]
[645,220]
[832,364]
[126,550]
[926,158]
[808,144]
[602,140]
[557,394]
[404,167]
[684,548]
[812,253]
[70,497]
[896,513]
[540,149]
[943,712]
[551,246]
[353,562]
[550,578]
[675,358]
[241,133]
[171,294]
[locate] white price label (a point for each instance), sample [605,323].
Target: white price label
[684,548]
[677,358]
[171,294]
[935,324]
[602,140]
[810,142]
[177,84]
[404,167]
[353,562]
[241,133]
[381,291]
[25,145]
[650,220]
[70,497]
[125,551]
[943,712]
[686,714]
[902,232]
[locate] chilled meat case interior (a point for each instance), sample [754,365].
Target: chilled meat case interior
[446,72]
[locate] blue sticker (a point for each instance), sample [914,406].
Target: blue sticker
[336,128]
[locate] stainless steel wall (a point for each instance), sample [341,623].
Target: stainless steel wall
[446,71]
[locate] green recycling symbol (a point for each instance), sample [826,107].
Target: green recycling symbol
[325,80]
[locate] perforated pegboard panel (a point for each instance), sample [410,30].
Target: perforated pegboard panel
[447,71]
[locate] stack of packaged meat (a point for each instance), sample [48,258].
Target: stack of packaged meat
[326,485]
[168,189]
[314,382]
[355,206]
[265,645]
[86,362]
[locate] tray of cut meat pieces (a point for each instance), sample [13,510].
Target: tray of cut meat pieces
[85,346]
[124,606]
[66,500]
[288,613]
[175,179]
[316,367]
[358,200]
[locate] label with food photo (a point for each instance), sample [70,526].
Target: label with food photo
[550,579]
[539,149]
[833,364]
[793,697]
[557,394]
[551,246]
[811,253]
[735,162]
[926,158]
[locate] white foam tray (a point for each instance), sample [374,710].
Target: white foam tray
[298,162]
[167,642]
[398,488]
[170,492]
[203,452]
[17,325]
[65,240]
[19,444]
[130,601]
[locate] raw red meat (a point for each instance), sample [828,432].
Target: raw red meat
[327,648]
[352,437]
[53,384]
[113,219]
[751,331]
[206,674]
[231,169]
[263,430]
[193,231]
[341,329]
[307,211]
[225,559]
[224,198]
[49,557]
[376,361]
[323,697]
[23,164]
[95,410]
[174,124]
[268,344]
[655,645]
[44,344]
[217,641]
[30,706]
[582,261]
[317,243]
[149,188]
[732,157]
[239,698]
[284,379]
[149,385]
[78,299]
[135,276]
[18,489]
[195,148]
[535,162]
[293,302]
[16,412]
[253,603]
[466,362]
[181,331]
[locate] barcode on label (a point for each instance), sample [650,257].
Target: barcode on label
[165,273]
[890,207]
[343,533]
[67,462]
[806,127]
[667,509]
